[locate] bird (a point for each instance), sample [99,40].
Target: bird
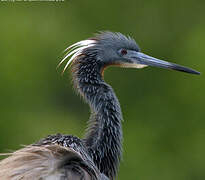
[97,155]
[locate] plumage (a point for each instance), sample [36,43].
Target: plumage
[97,155]
[56,157]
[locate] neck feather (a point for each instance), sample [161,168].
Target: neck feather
[104,134]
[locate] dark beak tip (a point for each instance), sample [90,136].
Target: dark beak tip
[195,72]
[185,69]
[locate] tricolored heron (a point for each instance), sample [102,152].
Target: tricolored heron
[97,155]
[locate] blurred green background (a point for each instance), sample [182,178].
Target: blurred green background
[164,118]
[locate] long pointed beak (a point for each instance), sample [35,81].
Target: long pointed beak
[144,59]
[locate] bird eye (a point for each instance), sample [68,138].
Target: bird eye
[123,51]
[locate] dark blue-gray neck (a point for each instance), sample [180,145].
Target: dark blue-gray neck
[104,134]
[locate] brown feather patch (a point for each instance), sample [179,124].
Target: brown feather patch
[35,163]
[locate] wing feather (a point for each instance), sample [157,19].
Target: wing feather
[47,162]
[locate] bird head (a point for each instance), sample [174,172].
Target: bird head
[117,49]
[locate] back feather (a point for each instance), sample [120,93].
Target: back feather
[47,162]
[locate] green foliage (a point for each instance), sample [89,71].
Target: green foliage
[163,110]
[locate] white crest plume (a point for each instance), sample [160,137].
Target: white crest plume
[75,50]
